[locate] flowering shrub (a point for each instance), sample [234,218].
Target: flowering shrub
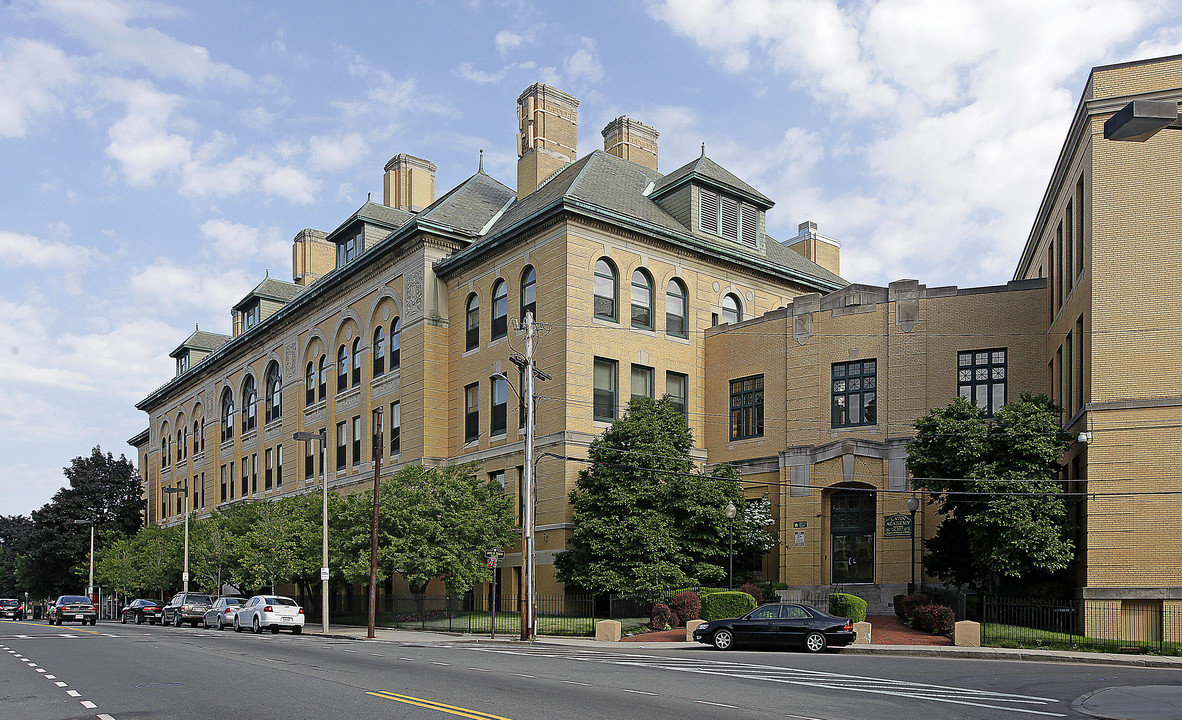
[661,617]
[905,605]
[936,619]
[686,606]
[752,590]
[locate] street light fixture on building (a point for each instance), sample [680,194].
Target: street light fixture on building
[321,438]
[1142,119]
[731,511]
[185,573]
[90,579]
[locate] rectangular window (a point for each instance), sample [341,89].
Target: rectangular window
[222,496]
[250,317]
[278,466]
[1079,223]
[1079,362]
[498,421]
[981,378]
[244,488]
[642,381]
[676,386]
[268,470]
[309,459]
[395,428]
[254,473]
[231,480]
[356,439]
[1068,246]
[604,400]
[855,393]
[342,445]
[471,412]
[202,486]
[1068,376]
[747,407]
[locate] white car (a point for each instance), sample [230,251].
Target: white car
[270,611]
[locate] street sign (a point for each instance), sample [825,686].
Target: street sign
[798,539]
[323,573]
[493,552]
[184,577]
[492,562]
[896,526]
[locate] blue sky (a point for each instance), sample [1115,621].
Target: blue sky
[156,158]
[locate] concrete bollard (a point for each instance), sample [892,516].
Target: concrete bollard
[862,633]
[608,630]
[967,633]
[690,625]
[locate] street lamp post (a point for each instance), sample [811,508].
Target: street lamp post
[185,572]
[90,579]
[731,511]
[321,438]
[912,507]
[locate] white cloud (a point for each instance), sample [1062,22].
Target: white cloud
[18,250]
[583,64]
[334,154]
[169,287]
[140,141]
[508,41]
[236,243]
[108,26]
[385,94]
[34,76]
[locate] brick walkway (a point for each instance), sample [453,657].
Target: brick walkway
[884,630]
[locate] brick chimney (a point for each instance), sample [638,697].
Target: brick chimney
[409,183]
[547,121]
[632,140]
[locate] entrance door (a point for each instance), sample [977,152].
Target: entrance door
[852,520]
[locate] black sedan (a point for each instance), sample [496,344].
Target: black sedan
[72,607]
[781,624]
[140,611]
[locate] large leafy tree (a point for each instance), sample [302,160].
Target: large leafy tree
[996,483]
[432,523]
[273,549]
[645,520]
[16,532]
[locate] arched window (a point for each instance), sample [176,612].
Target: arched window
[249,404]
[198,435]
[472,323]
[342,368]
[500,310]
[180,443]
[395,344]
[356,379]
[165,445]
[676,309]
[274,392]
[379,351]
[606,290]
[642,300]
[732,308]
[322,381]
[310,384]
[227,414]
[529,292]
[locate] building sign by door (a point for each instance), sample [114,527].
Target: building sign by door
[798,538]
[896,526]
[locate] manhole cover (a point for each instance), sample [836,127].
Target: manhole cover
[153,686]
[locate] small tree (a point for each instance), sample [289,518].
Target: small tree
[998,490]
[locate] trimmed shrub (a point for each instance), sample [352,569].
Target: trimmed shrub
[753,591]
[936,619]
[847,606]
[905,606]
[686,606]
[726,604]
[661,617]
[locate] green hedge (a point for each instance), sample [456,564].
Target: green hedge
[726,604]
[847,606]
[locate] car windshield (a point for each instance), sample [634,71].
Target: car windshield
[71,599]
[9,603]
[197,599]
[232,601]
[280,601]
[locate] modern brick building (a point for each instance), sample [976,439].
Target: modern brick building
[808,383]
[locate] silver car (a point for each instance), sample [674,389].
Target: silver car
[221,613]
[274,612]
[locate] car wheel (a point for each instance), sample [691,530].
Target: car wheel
[724,639]
[297,630]
[176,620]
[220,625]
[237,627]
[93,621]
[123,618]
[255,627]
[814,642]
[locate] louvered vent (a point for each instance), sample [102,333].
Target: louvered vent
[750,225]
[708,212]
[730,218]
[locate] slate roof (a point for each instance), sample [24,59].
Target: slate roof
[467,207]
[271,289]
[376,214]
[783,255]
[200,340]
[711,173]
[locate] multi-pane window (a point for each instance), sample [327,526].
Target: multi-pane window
[274,393]
[278,466]
[244,488]
[182,364]
[981,378]
[310,384]
[471,412]
[395,344]
[642,301]
[180,441]
[199,435]
[342,445]
[732,308]
[395,428]
[676,387]
[500,310]
[254,473]
[250,316]
[676,310]
[348,248]
[642,381]
[342,368]
[355,375]
[227,415]
[747,407]
[604,401]
[529,292]
[322,382]
[379,351]
[855,393]
[472,323]
[606,290]
[500,391]
[356,439]
[309,460]
[728,217]
[250,403]
[268,470]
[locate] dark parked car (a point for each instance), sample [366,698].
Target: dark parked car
[14,609]
[781,624]
[72,607]
[141,610]
[186,608]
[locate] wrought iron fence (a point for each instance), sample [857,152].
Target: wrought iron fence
[1078,624]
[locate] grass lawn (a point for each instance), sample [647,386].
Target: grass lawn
[1015,636]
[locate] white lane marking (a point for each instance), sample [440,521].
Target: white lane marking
[104,716]
[67,635]
[573,682]
[377,655]
[408,659]
[352,651]
[73,693]
[480,669]
[40,669]
[525,676]
[433,662]
[51,677]
[704,702]
[59,683]
[638,692]
[88,705]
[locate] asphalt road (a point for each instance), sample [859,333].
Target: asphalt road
[125,672]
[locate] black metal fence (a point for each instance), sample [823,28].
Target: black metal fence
[570,615]
[1078,624]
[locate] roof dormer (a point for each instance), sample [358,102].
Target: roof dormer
[195,348]
[262,302]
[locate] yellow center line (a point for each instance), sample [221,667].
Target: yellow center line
[433,705]
[41,625]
